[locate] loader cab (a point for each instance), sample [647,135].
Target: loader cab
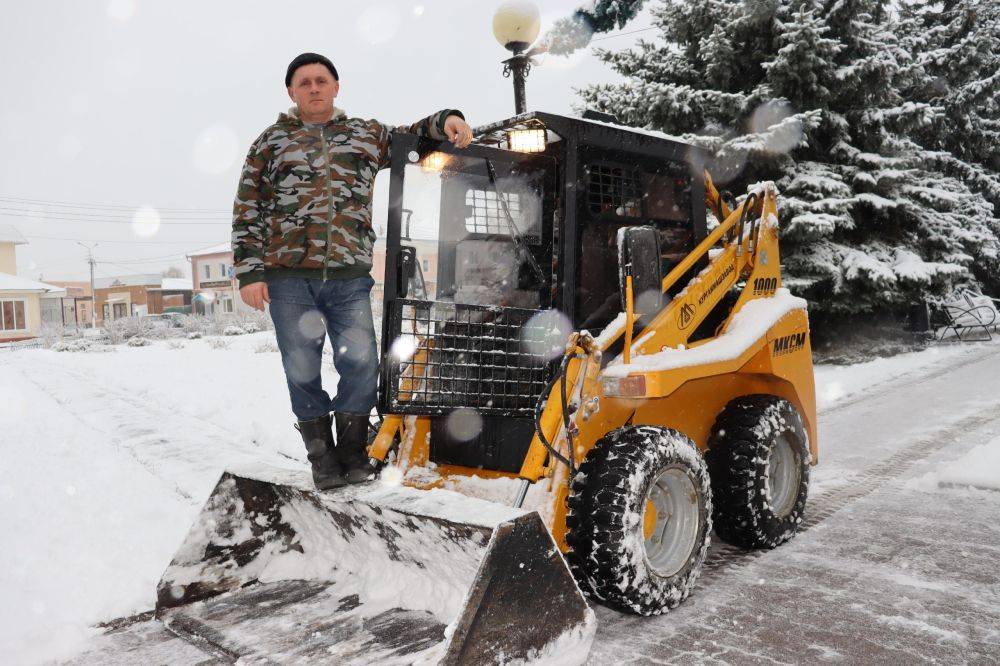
[484,244]
[609,177]
[625,189]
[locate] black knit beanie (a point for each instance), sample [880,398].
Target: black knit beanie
[308,59]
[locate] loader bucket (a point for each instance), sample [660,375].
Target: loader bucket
[275,571]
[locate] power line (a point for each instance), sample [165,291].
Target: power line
[105,274]
[110,219]
[54,263]
[42,202]
[127,270]
[129,242]
[180,255]
[622,34]
[152,260]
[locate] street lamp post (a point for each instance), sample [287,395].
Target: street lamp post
[518,67]
[516,25]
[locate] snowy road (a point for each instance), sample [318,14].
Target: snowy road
[105,469]
[891,568]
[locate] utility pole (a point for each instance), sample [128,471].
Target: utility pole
[93,293]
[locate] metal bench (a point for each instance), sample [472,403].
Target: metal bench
[970,316]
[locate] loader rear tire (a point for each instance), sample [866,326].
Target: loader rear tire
[758,458]
[639,519]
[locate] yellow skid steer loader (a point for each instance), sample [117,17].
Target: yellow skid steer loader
[580,379]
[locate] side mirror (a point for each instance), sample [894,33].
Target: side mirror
[639,256]
[406,269]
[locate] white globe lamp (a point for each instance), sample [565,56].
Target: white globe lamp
[516,25]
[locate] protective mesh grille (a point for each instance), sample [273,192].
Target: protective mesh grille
[614,190]
[466,356]
[487,217]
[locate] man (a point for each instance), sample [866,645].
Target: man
[302,241]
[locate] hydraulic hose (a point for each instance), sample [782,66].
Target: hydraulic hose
[565,413]
[539,405]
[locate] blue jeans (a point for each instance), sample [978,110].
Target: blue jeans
[304,312]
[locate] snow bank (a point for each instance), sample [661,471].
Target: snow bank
[979,468]
[837,383]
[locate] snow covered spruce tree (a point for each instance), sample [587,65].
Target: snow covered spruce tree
[811,95]
[956,48]
[575,31]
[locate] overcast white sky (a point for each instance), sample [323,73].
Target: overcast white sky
[113,105]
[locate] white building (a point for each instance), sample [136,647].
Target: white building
[21,299]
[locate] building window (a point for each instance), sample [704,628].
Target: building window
[427,264]
[12,316]
[119,310]
[106,312]
[227,305]
[208,271]
[222,270]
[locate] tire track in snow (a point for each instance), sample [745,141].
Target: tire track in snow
[116,442]
[224,434]
[188,462]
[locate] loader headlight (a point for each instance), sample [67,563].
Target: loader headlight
[633,386]
[435,161]
[527,140]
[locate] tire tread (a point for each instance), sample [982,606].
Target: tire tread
[738,449]
[601,552]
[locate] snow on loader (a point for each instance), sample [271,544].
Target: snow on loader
[526,463]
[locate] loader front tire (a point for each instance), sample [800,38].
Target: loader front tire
[639,519]
[758,458]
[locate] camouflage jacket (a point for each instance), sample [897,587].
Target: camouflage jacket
[303,207]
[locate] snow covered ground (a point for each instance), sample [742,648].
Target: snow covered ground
[106,459]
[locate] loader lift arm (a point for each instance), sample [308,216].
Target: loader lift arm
[672,326]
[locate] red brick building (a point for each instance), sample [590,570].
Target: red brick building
[130,295]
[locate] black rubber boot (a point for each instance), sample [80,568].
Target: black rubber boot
[318,437]
[352,446]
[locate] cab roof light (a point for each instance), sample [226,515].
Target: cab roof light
[527,140]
